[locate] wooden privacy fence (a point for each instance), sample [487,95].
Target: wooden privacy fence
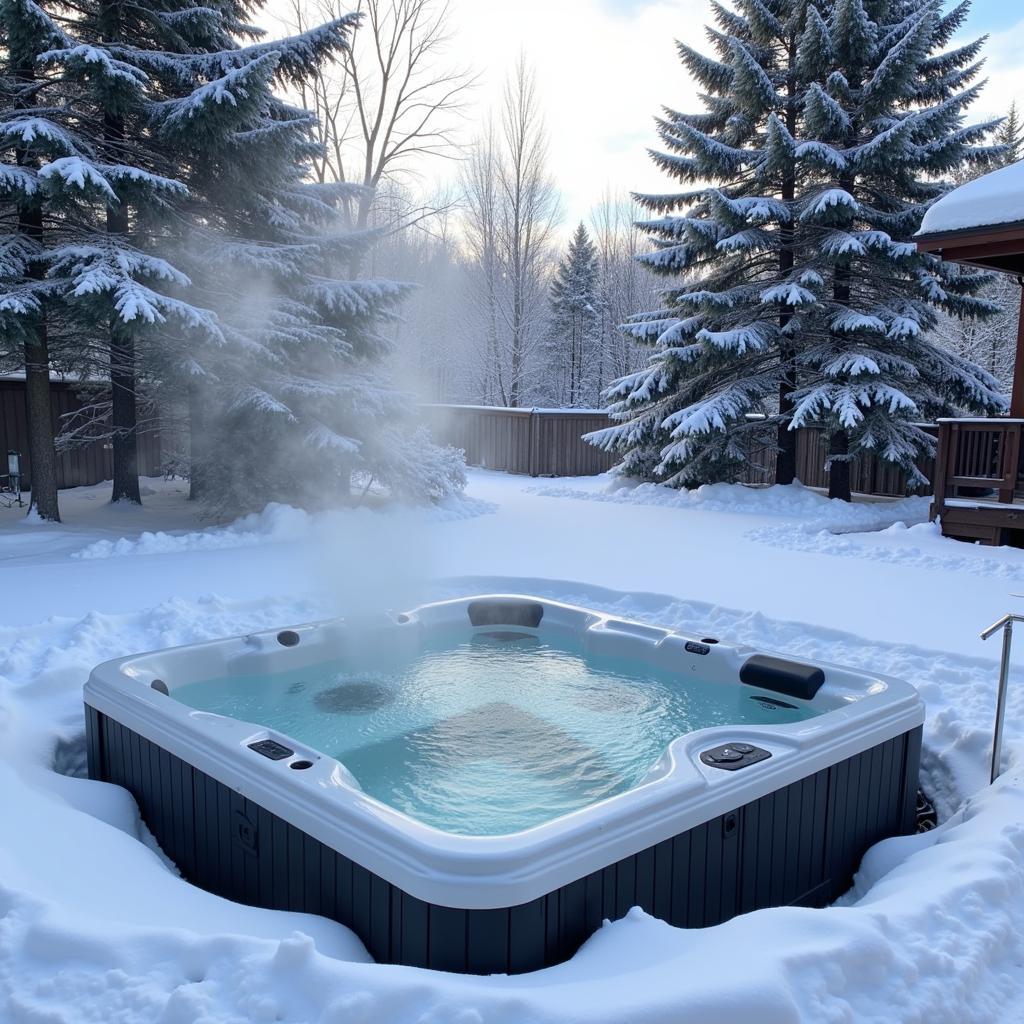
[88,464]
[537,442]
[548,442]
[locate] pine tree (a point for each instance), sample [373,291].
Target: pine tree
[28,137]
[887,122]
[1010,137]
[827,129]
[294,404]
[575,320]
[190,247]
[721,374]
[95,184]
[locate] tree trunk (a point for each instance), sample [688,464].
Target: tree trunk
[122,366]
[785,439]
[123,419]
[197,437]
[41,454]
[839,470]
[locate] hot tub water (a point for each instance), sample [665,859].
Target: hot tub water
[491,735]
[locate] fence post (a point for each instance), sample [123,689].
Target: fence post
[1010,452]
[534,435]
[943,460]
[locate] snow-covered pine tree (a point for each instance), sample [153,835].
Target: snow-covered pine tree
[294,404]
[1010,137]
[575,321]
[721,373]
[29,137]
[104,195]
[140,66]
[176,122]
[827,129]
[885,123]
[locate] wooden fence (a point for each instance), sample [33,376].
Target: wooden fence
[548,442]
[537,442]
[88,464]
[534,442]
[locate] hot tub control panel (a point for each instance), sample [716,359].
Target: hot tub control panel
[732,756]
[272,749]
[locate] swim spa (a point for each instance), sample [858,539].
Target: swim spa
[475,785]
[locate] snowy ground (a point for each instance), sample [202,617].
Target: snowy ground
[95,927]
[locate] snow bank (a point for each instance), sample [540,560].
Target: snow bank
[96,927]
[994,198]
[275,524]
[791,500]
[920,545]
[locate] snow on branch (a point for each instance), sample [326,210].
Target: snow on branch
[29,131]
[849,321]
[77,172]
[827,200]
[753,338]
[96,60]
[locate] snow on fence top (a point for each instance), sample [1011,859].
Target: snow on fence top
[994,198]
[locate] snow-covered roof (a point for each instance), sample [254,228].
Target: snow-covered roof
[994,198]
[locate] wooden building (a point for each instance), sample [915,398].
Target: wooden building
[978,489]
[78,466]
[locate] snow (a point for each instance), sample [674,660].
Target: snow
[74,170]
[95,926]
[994,198]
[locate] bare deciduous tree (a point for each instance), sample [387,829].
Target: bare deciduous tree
[511,208]
[481,226]
[626,286]
[529,213]
[394,99]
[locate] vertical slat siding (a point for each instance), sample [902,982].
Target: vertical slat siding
[798,845]
[414,940]
[89,464]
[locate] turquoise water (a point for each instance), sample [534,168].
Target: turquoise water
[489,735]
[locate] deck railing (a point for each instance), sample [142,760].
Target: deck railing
[978,459]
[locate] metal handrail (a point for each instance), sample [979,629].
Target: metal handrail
[1006,625]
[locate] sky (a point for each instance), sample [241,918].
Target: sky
[605,67]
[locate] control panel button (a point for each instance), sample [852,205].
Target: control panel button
[272,749]
[733,756]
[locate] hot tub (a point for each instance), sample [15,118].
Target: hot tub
[475,785]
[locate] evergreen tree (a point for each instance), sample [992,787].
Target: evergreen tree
[293,405]
[96,189]
[1010,137]
[191,246]
[28,137]
[575,320]
[826,126]
[725,341]
[887,122]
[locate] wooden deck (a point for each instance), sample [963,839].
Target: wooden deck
[979,489]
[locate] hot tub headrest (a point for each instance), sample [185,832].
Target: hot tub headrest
[789,677]
[506,613]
